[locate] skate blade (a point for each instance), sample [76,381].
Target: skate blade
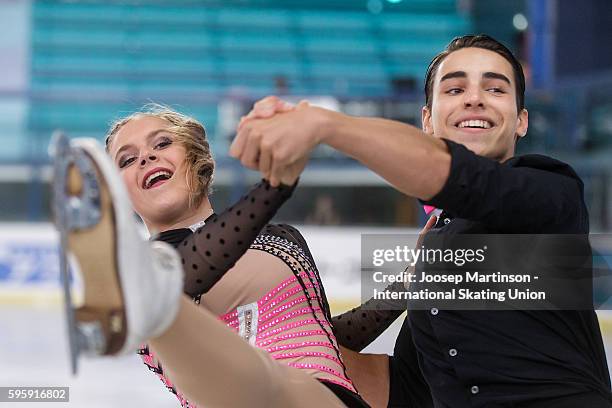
[84,216]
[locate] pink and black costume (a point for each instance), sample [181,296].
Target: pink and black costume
[279,305]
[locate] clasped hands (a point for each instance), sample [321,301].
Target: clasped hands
[276,138]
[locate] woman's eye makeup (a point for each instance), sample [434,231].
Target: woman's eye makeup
[160,143]
[163,142]
[125,161]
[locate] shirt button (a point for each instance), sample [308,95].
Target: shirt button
[474,389]
[452,352]
[447,220]
[434,311]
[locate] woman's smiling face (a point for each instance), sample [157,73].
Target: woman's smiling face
[153,167]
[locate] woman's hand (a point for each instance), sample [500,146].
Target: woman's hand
[276,138]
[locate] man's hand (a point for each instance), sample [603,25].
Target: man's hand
[276,139]
[266,108]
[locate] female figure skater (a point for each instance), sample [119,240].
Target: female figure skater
[285,353]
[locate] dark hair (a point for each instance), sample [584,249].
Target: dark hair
[477,41]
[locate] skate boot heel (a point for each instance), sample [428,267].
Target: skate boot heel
[83,214]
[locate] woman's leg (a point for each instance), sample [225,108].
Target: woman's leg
[132,295]
[214,367]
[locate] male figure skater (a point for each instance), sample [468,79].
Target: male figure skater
[463,162]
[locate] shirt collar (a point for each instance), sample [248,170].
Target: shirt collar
[431,210]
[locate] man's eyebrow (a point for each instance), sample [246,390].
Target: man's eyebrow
[486,75]
[496,75]
[149,136]
[454,74]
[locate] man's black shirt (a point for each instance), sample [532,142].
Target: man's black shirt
[508,358]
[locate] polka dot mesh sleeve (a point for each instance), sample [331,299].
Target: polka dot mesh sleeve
[216,246]
[358,327]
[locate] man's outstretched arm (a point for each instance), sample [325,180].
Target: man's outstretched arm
[412,161]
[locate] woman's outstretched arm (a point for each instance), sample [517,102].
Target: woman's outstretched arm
[209,252]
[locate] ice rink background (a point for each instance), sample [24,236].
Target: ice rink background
[33,348]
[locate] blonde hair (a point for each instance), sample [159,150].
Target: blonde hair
[191,134]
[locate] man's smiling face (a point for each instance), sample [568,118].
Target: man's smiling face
[474,103]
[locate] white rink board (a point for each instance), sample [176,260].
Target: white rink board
[29,263]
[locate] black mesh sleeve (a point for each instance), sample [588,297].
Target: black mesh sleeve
[358,327]
[216,246]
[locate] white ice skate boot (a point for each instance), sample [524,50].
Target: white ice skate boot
[131,286]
